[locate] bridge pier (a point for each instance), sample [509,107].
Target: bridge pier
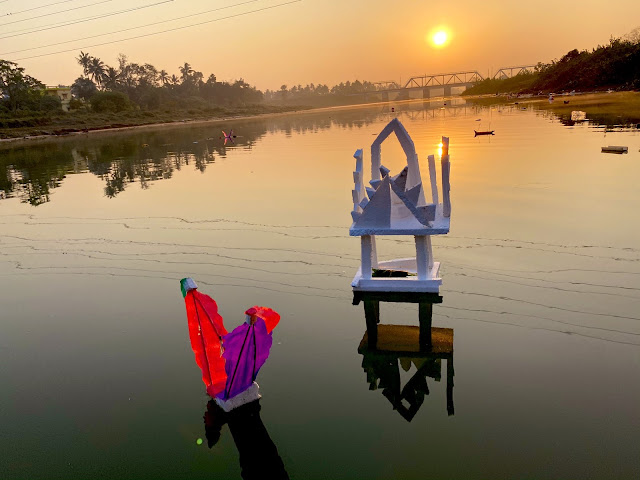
[448,90]
[385,96]
[426,92]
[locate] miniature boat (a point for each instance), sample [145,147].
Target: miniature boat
[615,149]
[483,132]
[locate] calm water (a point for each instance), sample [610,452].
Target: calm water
[541,284]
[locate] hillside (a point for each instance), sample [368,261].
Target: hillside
[615,66]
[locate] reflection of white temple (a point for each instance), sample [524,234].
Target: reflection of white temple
[397,206]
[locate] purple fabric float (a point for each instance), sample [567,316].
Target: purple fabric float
[246,349]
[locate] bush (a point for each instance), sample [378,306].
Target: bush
[110,102]
[75,104]
[49,103]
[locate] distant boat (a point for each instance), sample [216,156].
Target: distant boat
[614,149]
[483,132]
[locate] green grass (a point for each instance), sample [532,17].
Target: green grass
[617,108]
[515,84]
[60,123]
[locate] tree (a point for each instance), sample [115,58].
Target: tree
[110,102]
[163,76]
[20,90]
[186,72]
[50,103]
[111,78]
[96,70]
[84,59]
[83,88]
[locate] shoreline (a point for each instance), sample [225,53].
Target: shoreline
[177,123]
[158,125]
[592,100]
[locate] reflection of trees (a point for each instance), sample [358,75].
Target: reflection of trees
[31,172]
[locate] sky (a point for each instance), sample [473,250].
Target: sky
[269,43]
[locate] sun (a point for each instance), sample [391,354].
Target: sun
[440,38]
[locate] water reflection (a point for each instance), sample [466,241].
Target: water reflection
[386,348]
[259,456]
[31,171]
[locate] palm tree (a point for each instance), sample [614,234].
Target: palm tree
[174,80]
[96,70]
[163,76]
[84,59]
[186,72]
[110,78]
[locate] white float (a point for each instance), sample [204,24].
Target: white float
[397,206]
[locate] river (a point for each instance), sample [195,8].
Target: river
[541,286]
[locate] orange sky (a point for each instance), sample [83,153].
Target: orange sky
[319,41]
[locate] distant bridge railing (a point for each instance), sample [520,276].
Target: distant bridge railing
[456,79]
[510,72]
[444,79]
[386,85]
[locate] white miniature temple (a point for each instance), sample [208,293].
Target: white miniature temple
[397,206]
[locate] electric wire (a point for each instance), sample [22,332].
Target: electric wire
[52,26]
[37,8]
[56,13]
[131,28]
[163,31]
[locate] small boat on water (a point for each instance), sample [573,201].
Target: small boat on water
[483,132]
[615,149]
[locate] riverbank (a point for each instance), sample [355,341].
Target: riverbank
[83,123]
[616,108]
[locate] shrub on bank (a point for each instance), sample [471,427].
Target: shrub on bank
[110,102]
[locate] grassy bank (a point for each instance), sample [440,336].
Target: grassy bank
[63,123]
[491,86]
[617,108]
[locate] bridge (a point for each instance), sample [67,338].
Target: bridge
[427,84]
[510,72]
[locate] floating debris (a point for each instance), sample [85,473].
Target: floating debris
[578,116]
[483,132]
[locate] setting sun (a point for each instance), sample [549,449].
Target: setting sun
[440,38]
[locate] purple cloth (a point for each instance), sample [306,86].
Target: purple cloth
[246,349]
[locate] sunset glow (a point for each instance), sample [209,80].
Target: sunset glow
[440,38]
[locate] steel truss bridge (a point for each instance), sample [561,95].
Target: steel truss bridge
[509,72]
[443,81]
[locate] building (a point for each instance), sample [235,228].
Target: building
[62,92]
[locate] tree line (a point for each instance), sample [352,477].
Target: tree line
[127,85]
[615,65]
[130,84]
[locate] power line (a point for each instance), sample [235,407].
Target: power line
[132,28]
[36,8]
[57,13]
[52,26]
[163,31]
